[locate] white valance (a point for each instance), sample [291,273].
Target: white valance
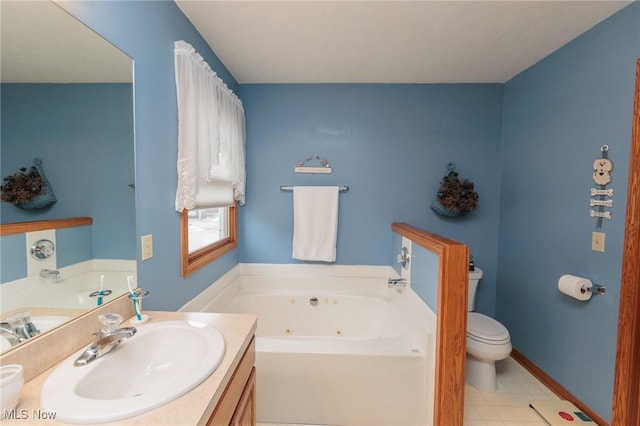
[217,193]
[211,131]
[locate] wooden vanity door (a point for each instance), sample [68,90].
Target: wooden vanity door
[245,414]
[237,406]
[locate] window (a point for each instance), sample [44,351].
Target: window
[211,160]
[206,227]
[206,234]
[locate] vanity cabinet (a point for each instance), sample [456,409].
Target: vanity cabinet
[245,414]
[230,389]
[237,406]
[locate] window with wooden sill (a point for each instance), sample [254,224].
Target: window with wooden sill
[206,234]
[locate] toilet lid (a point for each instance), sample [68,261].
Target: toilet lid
[485,329]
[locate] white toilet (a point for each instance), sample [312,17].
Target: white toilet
[488,341]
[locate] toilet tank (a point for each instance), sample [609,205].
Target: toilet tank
[474,278]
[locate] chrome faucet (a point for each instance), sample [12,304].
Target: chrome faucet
[50,273]
[104,344]
[8,333]
[397,282]
[106,339]
[18,328]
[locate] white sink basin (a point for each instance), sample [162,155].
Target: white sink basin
[47,322]
[163,361]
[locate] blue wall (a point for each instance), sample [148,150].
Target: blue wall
[425,275]
[73,245]
[13,259]
[390,144]
[146,31]
[84,135]
[557,115]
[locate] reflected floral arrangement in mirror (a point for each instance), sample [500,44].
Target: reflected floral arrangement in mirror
[28,188]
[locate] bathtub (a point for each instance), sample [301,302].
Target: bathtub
[71,289]
[334,345]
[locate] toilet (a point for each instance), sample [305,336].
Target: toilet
[488,341]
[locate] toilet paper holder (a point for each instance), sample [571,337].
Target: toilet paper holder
[595,289]
[579,288]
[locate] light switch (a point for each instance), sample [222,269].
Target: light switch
[597,241]
[147,246]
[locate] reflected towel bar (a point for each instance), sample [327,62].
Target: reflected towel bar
[290,188]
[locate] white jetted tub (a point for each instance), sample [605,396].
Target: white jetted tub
[71,289]
[334,345]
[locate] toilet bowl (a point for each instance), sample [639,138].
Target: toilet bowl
[488,341]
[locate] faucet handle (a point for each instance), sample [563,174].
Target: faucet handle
[21,324]
[404,258]
[19,318]
[22,320]
[109,322]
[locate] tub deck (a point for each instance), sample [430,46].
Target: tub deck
[335,350]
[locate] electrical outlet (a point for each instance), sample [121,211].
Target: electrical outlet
[147,246]
[597,241]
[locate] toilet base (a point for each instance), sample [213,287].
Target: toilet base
[481,374]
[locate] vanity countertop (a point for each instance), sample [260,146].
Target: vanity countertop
[193,408]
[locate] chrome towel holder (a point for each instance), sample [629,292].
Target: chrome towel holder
[343,188]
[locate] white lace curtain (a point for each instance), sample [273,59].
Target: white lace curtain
[211,131]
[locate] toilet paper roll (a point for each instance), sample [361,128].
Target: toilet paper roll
[575,287]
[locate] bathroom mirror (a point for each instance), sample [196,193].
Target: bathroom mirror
[67,99]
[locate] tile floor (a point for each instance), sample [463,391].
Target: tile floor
[509,406]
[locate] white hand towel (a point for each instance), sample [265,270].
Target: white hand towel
[315,223]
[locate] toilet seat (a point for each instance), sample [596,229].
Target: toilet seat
[487,330]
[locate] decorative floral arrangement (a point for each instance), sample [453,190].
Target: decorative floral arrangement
[456,197]
[22,186]
[27,188]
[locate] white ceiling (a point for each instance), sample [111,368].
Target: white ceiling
[42,43]
[361,41]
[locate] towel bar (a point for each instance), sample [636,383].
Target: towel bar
[290,188]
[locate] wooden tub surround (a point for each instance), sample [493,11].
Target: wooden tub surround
[626,389]
[451,336]
[451,328]
[41,225]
